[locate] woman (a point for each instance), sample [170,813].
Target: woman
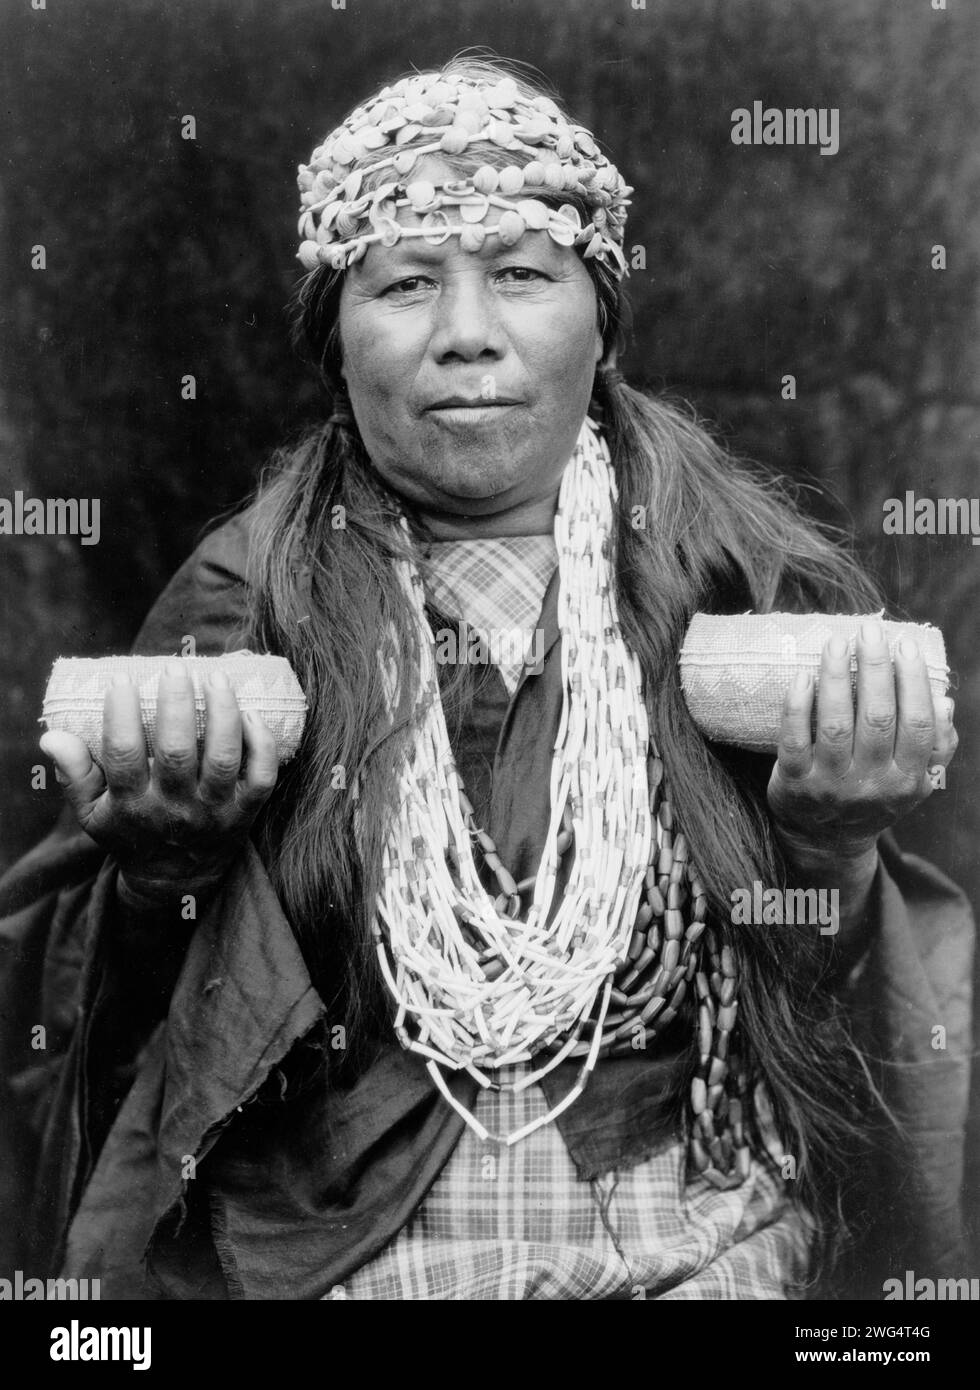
[367,1026]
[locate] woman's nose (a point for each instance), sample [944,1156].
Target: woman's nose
[467,323]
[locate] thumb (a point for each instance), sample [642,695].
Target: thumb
[75,768]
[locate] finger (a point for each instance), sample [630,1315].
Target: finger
[175,750]
[124,755]
[834,743]
[795,751]
[75,768]
[222,758]
[946,740]
[262,762]
[874,729]
[916,717]
[944,746]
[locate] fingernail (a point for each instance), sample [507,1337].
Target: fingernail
[218,680]
[871,634]
[909,648]
[175,670]
[801,682]
[837,647]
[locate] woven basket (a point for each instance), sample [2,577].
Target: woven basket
[736,670]
[76,691]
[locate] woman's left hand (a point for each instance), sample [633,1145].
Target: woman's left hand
[872,760]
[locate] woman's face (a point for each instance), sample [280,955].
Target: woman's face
[470,372]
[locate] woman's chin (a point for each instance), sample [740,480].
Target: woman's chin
[475,500]
[478,489]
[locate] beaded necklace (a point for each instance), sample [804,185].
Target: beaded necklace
[477,985]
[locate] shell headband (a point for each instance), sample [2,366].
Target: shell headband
[339,222]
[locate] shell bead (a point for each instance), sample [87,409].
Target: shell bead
[485,179]
[454,140]
[475,208]
[511,228]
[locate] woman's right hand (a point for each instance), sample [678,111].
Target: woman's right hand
[173,826]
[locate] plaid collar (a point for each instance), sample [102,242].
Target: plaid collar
[496,585]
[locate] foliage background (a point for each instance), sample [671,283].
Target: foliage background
[167,257]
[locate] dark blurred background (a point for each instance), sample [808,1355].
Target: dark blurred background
[168,257]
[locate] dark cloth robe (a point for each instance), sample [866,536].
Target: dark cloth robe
[165,1141]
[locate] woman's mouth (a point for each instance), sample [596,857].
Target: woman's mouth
[471,410]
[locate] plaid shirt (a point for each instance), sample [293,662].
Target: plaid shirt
[517,1223]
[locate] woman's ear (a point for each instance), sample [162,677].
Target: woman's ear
[609,360]
[602,328]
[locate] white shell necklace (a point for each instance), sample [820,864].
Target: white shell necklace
[478,989]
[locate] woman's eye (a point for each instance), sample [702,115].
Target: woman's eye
[417,284]
[410,285]
[522,274]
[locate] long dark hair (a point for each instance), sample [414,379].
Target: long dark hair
[719,536]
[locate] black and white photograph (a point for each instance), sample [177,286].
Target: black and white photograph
[490,553]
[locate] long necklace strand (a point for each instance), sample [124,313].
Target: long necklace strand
[479,988]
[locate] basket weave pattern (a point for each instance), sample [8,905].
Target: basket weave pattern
[736,670]
[266,684]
